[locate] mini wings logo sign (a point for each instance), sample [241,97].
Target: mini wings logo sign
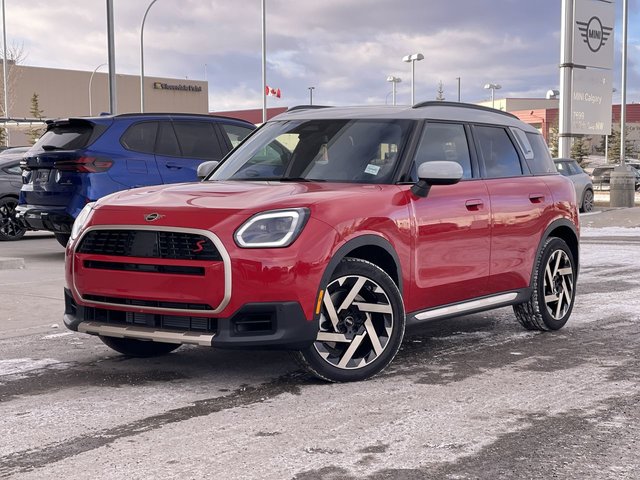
[594,34]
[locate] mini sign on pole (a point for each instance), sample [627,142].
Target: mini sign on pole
[585,70]
[591,101]
[593,33]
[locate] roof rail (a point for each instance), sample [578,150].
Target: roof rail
[307,107]
[440,103]
[162,114]
[179,114]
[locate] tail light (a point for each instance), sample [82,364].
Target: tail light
[84,165]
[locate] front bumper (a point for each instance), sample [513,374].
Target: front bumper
[38,218]
[270,325]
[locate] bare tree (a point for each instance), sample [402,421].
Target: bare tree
[15,56]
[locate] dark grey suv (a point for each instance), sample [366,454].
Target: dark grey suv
[10,183]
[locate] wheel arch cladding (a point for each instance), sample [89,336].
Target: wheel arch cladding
[372,248]
[566,231]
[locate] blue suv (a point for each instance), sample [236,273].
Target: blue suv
[78,160]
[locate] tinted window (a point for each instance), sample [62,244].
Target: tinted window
[442,141]
[14,170]
[167,143]
[577,168]
[573,168]
[541,162]
[235,133]
[67,136]
[563,168]
[140,137]
[500,156]
[198,140]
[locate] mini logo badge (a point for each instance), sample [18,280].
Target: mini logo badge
[594,34]
[152,217]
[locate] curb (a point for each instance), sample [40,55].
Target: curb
[11,263]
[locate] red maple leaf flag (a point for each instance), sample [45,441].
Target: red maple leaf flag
[272,92]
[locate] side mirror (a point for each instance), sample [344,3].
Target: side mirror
[436,173]
[205,168]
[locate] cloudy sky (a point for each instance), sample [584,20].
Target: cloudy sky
[344,48]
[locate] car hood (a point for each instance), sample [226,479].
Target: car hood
[235,197]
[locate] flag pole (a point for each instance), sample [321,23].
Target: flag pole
[264,63]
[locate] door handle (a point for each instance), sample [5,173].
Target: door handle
[474,204]
[536,197]
[173,165]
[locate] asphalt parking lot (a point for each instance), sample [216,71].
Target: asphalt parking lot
[471,397]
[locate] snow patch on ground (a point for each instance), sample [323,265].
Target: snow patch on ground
[16,366]
[610,232]
[57,335]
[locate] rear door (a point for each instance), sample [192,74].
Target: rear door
[520,207]
[136,166]
[184,144]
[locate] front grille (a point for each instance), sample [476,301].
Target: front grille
[145,268]
[151,320]
[148,303]
[149,244]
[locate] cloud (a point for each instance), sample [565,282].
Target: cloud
[344,49]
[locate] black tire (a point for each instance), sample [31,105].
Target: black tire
[554,290]
[361,325]
[138,348]
[10,228]
[62,238]
[587,201]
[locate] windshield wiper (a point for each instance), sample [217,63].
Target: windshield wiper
[49,148]
[278,179]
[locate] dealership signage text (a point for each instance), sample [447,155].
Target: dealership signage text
[181,87]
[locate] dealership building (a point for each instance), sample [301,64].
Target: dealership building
[544,115]
[71,93]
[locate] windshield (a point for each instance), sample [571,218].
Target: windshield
[357,151]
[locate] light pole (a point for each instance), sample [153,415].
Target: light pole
[4,72]
[90,82]
[111,56]
[142,56]
[311,95]
[458,80]
[413,58]
[622,191]
[493,87]
[393,81]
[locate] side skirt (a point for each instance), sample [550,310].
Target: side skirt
[471,306]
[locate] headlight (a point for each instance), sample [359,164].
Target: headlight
[277,228]
[80,221]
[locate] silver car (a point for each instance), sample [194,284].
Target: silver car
[581,181]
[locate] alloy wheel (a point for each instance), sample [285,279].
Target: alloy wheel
[558,284]
[356,323]
[587,201]
[10,229]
